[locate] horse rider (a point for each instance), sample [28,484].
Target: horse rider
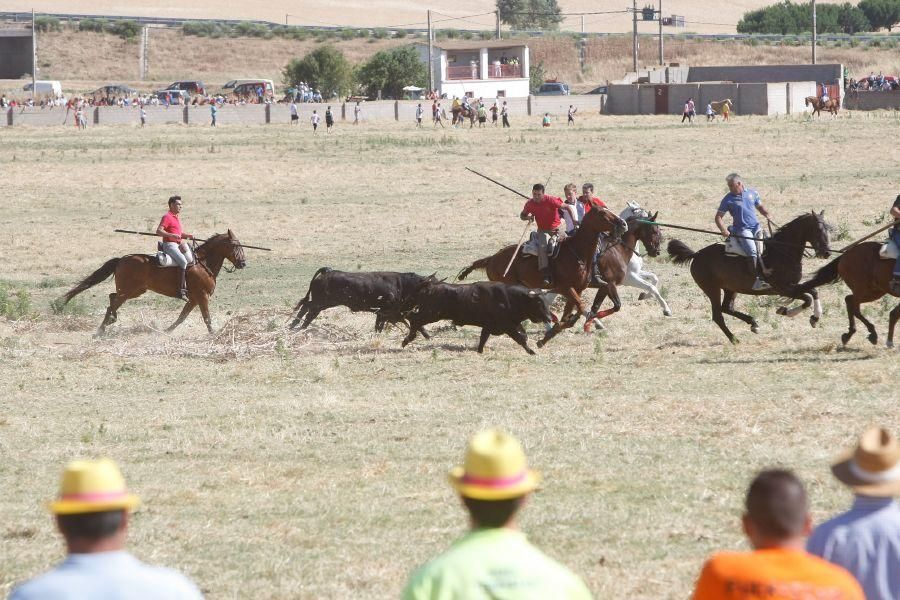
[824,95]
[586,201]
[174,244]
[895,237]
[742,204]
[544,210]
[569,210]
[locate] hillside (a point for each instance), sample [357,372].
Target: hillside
[703,16]
[83,60]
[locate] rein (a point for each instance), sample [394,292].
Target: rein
[740,237]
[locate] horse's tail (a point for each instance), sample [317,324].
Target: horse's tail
[680,252]
[309,290]
[824,276]
[98,276]
[481,263]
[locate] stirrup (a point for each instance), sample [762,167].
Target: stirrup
[183,294]
[760,285]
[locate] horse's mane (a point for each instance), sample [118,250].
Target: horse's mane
[212,241]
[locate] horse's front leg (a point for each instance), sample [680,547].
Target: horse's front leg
[807,301]
[203,302]
[188,307]
[568,317]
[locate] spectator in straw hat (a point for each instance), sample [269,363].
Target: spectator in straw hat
[866,539]
[776,522]
[92,514]
[494,560]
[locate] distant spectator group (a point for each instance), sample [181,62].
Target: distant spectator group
[854,556]
[875,83]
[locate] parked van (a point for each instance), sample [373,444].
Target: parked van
[45,88]
[248,87]
[191,86]
[553,88]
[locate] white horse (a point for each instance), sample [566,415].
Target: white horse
[638,277]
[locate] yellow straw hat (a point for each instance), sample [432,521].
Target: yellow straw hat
[92,486]
[494,469]
[873,467]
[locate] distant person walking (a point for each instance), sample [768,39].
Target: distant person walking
[865,540]
[295,114]
[710,113]
[92,514]
[356,111]
[143,116]
[726,110]
[438,115]
[571,115]
[329,119]
[504,114]
[419,113]
[494,559]
[686,113]
[213,113]
[494,110]
[314,119]
[776,522]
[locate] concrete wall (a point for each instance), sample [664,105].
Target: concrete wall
[677,74]
[767,73]
[753,99]
[646,100]
[36,117]
[514,88]
[622,99]
[714,92]
[679,94]
[15,53]
[776,98]
[797,92]
[873,101]
[560,104]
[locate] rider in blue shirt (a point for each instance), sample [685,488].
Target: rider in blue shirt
[895,237]
[742,204]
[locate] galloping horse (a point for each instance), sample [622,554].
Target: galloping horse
[137,273]
[831,105]
[714,271]
[460,113]
[571,268]
[868,278]
[615,258]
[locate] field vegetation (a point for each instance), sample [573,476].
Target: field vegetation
[313,464]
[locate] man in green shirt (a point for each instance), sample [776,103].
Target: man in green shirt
[494,561]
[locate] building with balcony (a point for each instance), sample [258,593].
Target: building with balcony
[479,69]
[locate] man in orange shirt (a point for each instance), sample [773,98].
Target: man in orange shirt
[779,568]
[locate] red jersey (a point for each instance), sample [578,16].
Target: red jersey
[546,212]
[171,224]
[587,203]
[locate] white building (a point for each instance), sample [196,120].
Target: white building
[479,68]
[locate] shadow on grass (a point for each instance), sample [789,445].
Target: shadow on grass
[808,355]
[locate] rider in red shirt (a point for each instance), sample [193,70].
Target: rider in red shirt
[173,243]
[586,201]
[545,210]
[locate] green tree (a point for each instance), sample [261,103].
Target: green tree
[389,71]
[788,18]
[536,77]
[325,69]
[530,14]
[881,13]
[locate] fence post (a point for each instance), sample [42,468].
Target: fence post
[529,104]
[96,115]
[9,117]
[184,117]
[268,113]
[343,111]
[396,110]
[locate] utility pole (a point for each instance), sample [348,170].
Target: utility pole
[430,55]
[33,58]
[815,33]
[497,15]
[582,24]
[661,61]
[634,39]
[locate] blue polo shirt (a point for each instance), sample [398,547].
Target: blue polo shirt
[742,208]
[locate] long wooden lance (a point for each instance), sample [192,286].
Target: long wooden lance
[505,187]
[719,233]
[196,238]
[874,233]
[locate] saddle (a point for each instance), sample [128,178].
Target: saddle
[162,259]
[733,246]
[530,247]
[889,251]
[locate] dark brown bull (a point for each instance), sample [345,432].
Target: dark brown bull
[385,293]
[497,308]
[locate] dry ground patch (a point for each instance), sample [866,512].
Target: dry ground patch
[312,464]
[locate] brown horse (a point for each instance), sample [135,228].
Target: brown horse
[464,113]
[571,268]
[714,271]
[612,264]
[831,105]
[869,277]
[137,273]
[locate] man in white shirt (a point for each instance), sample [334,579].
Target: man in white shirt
[314,119]
[92,514]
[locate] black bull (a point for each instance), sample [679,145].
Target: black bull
[498,308]
[389,295]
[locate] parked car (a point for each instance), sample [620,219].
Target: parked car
[179,96]
[192,87]
[603,89]
[45,88]
[553,88]
[247,87]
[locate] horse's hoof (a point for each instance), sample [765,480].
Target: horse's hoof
[754,328]
[734,340]
[814,321]
[873,338]
[667,313]
[845,337]
[540,344]
[889,344]
[782,310]
[587,327]
[642,296]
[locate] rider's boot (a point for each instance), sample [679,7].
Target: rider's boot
[595,273]
[760,284]
[547,280]
[894,286]
[183,293]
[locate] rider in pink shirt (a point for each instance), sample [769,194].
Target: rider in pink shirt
[173,243]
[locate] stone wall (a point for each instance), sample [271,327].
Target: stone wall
[767,73]
[873,101]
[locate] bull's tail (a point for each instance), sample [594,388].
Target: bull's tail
[305,298]
[98,276]
[824,276]
[680,252]
[481,263]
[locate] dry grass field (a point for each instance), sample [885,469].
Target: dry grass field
[84,60]
[406,13]
[313,464]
